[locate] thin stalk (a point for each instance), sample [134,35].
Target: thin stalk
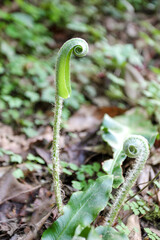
[55,152]
[63,91]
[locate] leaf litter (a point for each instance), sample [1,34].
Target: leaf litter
[27,206]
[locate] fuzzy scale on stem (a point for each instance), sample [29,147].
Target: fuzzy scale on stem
[55,152]
[63,90]
[135,146]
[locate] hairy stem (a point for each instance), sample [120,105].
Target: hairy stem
[55,152]
[135,147]
[63,90]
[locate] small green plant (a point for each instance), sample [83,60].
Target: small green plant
[78,213]
[151,234]
[151,98]
[81,210]
[32,162]
[84,174]
[139,206]
[63,91]
[122,227]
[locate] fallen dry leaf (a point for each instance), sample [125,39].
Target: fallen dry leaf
[158,196]
[83,119]
[44,154]
[155,159]
[10,141]
[11,188]
[89,117]
[45,134]
[134,227]
[8,227]
[144,178]
[3,170]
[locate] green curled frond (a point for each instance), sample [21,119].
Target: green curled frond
[136,145]
[80,48]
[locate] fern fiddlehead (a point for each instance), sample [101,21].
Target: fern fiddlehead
[63,90]
[135,146]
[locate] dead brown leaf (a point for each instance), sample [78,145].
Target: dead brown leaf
[11,188]
[155,159]
[83,119]
[89,117]
[10,141]
[134,227]
[44,154]
[144,178]
[8,227]
[45,134]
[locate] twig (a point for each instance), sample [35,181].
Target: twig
[143,187]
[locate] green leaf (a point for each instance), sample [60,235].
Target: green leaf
[31,157]
[93,235]
[82,209]
[88,169]
[77,185]
[33,96]
[16,158]
[109,233]
[7,50]
[18,173]
[116,130]
[15,114]
[66,171]
[48,94]
[13,102]
[30,132]
[107,165]
[32,166]
[64,164]
[114,167]
[23,18]
[89,233]
[96,166]
[26,123]
[29,8]
[80,176]
[7,152]
[73,166]
[116,80]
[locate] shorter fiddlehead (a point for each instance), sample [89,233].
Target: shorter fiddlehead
[135,146]
[63,90]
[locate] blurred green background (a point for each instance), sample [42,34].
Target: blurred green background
[124,38]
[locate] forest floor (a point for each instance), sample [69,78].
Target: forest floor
[120,75]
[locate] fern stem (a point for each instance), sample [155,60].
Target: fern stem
[55,152]
[63,90]
[135,147]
